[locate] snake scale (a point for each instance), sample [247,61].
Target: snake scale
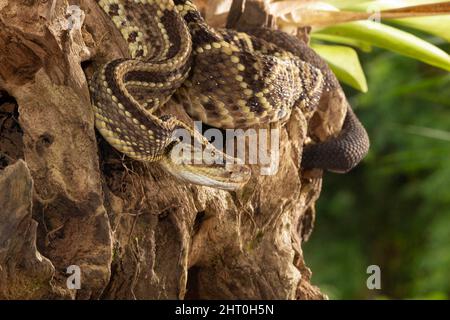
[225,78]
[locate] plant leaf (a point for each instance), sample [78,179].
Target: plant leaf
[345,64]
[393,39]
[362,45]
[428,132]
[436,25]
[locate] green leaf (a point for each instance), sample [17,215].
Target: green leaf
[362,45]
[345,64]
[435,25]
[429,132]
[393,39]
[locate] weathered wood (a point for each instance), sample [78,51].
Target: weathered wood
[24,272]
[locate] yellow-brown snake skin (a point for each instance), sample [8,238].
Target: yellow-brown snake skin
[224,78]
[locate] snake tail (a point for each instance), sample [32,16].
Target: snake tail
[342,153]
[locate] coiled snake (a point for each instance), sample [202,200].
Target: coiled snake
[224,78]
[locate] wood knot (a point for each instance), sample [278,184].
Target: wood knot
[45,140]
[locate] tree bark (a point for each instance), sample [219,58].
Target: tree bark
[67,198]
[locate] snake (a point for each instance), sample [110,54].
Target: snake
[224,78]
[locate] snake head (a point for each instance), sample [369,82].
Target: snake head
[206,166]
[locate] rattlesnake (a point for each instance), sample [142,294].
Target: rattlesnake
[225,78]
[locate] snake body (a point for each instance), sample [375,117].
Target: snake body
[225,78]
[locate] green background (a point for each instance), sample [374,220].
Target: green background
[394,209]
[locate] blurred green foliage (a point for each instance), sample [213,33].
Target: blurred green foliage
[394,209]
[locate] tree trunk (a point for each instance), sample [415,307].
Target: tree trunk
[68,199]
